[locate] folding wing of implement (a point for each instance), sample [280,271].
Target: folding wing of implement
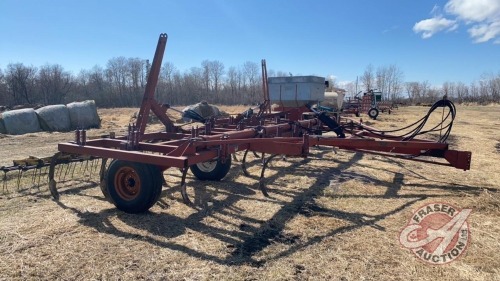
[133,179]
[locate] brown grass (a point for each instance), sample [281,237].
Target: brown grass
[331,217]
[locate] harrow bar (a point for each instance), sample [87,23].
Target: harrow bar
[35,164]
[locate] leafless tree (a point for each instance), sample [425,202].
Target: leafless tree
[136,74]
[368,78]
[216,73]
[251,74]
[232,80]
[54,83]
[389,80]
[116,74]
[3,89]
[21,81]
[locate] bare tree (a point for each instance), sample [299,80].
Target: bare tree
[232,80]
[389,80]
[54,83]
[136,73]
[368,78]
[205,66]
[381,80]
[165,88]
[462,91]
[116,74]
[3,89]
[251,74]
[216,73]
[21,81]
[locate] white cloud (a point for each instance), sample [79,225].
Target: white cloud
[485,32]
[431,26]
[483,17]
[474,10]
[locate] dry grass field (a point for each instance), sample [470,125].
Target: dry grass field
[334,216]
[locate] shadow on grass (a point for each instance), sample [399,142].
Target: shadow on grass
[249,236]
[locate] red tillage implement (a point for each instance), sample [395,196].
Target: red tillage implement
[133,179]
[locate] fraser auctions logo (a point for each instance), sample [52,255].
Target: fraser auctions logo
[437,233]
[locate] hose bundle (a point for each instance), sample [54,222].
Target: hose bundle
[416,128]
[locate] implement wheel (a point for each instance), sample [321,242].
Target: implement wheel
[133,187]
[373,113]
[213,170]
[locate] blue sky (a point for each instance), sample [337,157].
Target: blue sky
[437,41]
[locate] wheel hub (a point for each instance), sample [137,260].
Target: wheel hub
[208,166]
[127,183]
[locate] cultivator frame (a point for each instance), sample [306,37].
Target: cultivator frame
[133,179]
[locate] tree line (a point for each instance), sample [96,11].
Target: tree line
[390,81]
[122,81]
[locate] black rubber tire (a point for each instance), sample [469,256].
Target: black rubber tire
[133,187]
[211,171]
[373,113]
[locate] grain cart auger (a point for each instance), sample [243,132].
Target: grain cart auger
[133,179]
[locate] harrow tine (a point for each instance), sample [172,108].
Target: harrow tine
[97,165]
[81,166]
[59,171]
[4,181]
[73,171]
[33,177]
[39,176]
[68,167]
[86,166]
[64,171]
[92,167]
[19,176]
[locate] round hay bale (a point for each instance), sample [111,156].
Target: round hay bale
[54,118]
[2,126]
[83,115]
[22,121]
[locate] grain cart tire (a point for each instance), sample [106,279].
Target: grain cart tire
[213,170]
[133,187]
[373,113]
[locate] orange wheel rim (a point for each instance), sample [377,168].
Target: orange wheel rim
[127,183]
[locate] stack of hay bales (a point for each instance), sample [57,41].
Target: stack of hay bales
[62,118]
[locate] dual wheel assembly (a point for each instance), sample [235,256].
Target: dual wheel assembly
[135,187]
